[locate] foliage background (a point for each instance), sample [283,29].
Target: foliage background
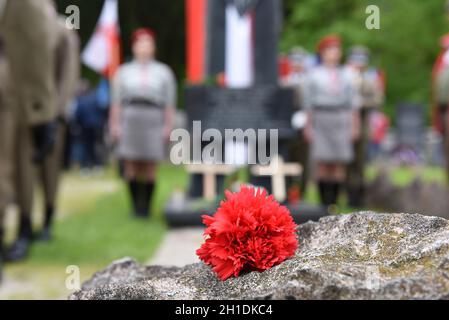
[405,47]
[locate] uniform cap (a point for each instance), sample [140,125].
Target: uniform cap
[142,33]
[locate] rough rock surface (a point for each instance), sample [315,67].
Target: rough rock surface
[358,256]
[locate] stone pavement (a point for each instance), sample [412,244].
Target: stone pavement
[178,247]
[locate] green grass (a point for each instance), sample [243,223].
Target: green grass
[105,231]
[94,228]
[400,176]
[102,234]
[403,176]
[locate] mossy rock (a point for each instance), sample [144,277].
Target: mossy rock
[357,256]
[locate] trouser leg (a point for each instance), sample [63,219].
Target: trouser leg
[24,185]
[24,178]
[1,246]
[3,204]
[6,135]
[90,141]
[50,175]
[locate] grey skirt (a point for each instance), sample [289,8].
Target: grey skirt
[332,135]
[142,137]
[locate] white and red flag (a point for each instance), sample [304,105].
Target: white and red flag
[234,42]
[103,51]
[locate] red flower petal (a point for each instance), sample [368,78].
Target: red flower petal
[249,232]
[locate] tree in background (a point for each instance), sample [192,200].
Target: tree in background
[405,47]
[165,17]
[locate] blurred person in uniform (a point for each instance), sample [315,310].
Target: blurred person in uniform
[379,126]
[142,115]
[28,31]
[333,122]
[67,76]
[103,92]
[89,115]
[5,149]
[368,82]
[440,94]
[297,79]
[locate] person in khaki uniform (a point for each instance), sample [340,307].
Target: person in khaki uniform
[5,149]
[27,27]
[440,93]
[368,82]
[67,78]
[297,80]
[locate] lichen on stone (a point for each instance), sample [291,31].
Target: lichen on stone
[358,256]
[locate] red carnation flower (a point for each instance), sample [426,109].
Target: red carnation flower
[249,232]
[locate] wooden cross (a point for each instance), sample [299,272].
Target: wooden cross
[278,170]
[210,173]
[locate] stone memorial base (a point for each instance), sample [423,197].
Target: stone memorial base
[359,256]
[189,214]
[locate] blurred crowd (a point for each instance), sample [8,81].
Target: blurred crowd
[51,119]
[86,141]
[40,68]
[340,120]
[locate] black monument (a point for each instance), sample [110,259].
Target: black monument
[262,105]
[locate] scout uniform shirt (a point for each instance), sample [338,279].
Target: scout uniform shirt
[143,91]
[331,98]
[331,88]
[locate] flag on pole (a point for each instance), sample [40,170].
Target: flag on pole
[196,11]
[103,51]
[239,52]
[234,42]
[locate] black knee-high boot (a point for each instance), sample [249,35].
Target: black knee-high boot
[46,230]
[19,250]
[146,197]
[336,187]
[325,189]
[134,187]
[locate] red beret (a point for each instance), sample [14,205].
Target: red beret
[142,32]
[329,41]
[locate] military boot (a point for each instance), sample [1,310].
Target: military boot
[1,255]
[19,250]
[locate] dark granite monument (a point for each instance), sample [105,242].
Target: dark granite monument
[411,126]
[241,101]
[258,107]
